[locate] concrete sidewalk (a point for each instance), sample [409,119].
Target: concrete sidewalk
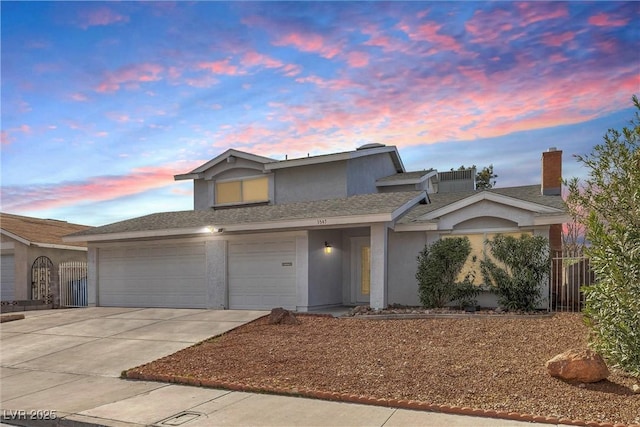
[65,364]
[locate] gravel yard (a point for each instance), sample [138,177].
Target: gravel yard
[484,362]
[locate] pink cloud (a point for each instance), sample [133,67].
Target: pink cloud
[119,117]
[220,67]
[100,17]
[308,42]
[101,188]
[380,38]
[604,20]
[130,76]
[255,59]
[357,59]
[5,139]
[558,39]
[430,32]
[487,28]
[333,84]
[532,12]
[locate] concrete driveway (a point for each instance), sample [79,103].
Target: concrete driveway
[65,364]
[69,361]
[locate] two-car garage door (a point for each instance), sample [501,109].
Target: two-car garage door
[167,275]
[261,274]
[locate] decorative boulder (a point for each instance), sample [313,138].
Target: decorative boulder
[578,365]
[280,316]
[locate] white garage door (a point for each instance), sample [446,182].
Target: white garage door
[167,275]
[262,274]
[7,278]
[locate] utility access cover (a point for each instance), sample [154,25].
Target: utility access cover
[180,419]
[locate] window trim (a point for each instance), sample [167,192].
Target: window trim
[241,179]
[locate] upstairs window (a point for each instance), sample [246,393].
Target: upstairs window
[247,190]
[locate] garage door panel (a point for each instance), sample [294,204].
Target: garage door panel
[7,277]
[153,276]
[262,274]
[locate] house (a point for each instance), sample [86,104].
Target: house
[32,248]
[307,233]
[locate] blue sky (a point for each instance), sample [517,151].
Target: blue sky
[103,102]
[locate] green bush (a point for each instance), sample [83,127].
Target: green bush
[526,261]
[608,205]
[439,266]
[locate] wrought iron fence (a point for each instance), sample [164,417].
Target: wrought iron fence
[73,284]
[569,273]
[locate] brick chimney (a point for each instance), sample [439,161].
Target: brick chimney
[551,172]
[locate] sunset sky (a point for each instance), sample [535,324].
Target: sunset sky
[103,102]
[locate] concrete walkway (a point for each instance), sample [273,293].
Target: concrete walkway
[66,364]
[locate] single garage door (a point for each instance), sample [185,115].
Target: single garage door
[163,275]
[262,274]
[7,277]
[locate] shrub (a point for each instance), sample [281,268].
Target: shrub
[439,266]
[526,267]
[608,206]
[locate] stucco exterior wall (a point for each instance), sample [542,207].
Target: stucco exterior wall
[312,182]
[24,256]
[325,269]
[362,173]
[202,194]
[403,252]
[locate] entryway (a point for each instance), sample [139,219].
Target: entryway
[360,269]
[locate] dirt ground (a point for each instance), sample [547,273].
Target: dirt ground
[484,362]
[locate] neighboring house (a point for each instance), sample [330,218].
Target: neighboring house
[307,233]
[33,244]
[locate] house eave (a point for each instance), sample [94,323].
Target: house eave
[320,222]
[328,158]
[16,237]
[186,176]
[551,219]
[411,181]
[65,247]
[422,226]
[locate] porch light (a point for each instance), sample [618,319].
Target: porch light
[212,229]
[327,248]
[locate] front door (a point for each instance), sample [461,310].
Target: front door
[360,269]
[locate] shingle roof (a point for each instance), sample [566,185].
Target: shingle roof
[366,204]
[528,193]
[40,231]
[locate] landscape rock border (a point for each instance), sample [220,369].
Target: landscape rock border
[367,400]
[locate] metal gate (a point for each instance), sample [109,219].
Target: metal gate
[41,272]
[569,275]
[73,284]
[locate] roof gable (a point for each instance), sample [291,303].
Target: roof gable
[490,196]
[544,209]
[228,156]
[39,232]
